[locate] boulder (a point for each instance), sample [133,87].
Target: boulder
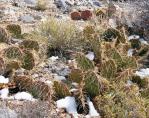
[86,14]
[75,16]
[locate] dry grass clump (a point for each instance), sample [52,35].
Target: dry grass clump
[41,5]
[62,35]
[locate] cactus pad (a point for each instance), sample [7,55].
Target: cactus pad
[108,69]
[13,53]
[61,90]
[30,44]
[28,61]
[83,62]
[15,30]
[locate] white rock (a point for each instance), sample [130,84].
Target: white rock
[23,96]
[68,103]
[73,90]
[129,83]
[53,58]
[90,56]
[112,23]
[49,82]
[27,18]
[133,37]
[32,2]
[57,77]
[3,79]
[143,41]
[143,73]
[130,52]
[4,93]
[92,110]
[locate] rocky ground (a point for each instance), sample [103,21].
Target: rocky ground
[25,13]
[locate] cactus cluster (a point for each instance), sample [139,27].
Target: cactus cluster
[83,62]
[30,44]
[37,88]
[14,30]
[28,60]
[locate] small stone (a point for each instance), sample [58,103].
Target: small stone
[75,16]
[86,15]
[32,2]
[27,18]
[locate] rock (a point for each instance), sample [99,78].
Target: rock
[32,2]
[27,18]
[59,78]
[60,3]
[7,113]
[86,14]
[75,16]
[96,3]
[112,23]
[90,56]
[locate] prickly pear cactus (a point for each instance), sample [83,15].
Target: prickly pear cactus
[83,62]
[61,90]
[28,61]
[135,43]
[76,75]
[14,30]
[2,66]
[111,34]
[129,62]
[143,51]
[91,84]
[96,47]
[13,53]
[101,13]
[30,44]
[13,64]
[37,88]
[115,55]
[3,36]
[142,83]
[108,69]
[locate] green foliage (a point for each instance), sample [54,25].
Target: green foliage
[14,30]
[120,105]
[129,62]
[143,51]
[135,43]
[108,69]
[2,66]
[91,84]
[28,61]
[111,34]
[142,83]
[38,89]
[76,75]
[61,90]
[62,35]
[13,53]
[83,62]
[115,55]
[30,44]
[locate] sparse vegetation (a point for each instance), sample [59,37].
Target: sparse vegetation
[110,79]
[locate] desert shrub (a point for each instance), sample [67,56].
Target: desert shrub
[41,5]
[62,35]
